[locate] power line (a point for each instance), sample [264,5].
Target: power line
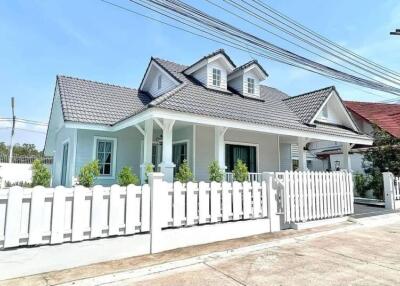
[318,36]
[243,9]
[280,57]
[327,50]
[190,12]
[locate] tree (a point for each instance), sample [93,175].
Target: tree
[3,149]
[240,171]
[184,173]
[382,157]
[215,173]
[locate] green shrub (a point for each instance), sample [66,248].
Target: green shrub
[240,172]
[88,173]
[360,184]
[127,177]
[184,173]
[215,173]
[40,174]
[148,169]
[22,184]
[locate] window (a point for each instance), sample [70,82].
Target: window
[159,83]
[216,77]
[104,154]
[250,85]
[179,154]
[325,112]
[248,155]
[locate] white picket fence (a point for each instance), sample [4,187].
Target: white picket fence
[391,185]
[397,188]
[50,216]
[201,203]
[163,215]
[312,196]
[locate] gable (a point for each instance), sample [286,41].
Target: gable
[56,122]
[333,111]
[157,80]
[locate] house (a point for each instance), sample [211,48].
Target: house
[366,115]
[208,110]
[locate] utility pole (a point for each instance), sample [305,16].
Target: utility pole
[12,131]
[396,33]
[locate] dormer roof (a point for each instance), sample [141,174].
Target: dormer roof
[248,66]
[210,57]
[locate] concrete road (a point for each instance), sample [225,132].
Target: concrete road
[364,256]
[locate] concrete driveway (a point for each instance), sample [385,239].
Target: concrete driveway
[364,256]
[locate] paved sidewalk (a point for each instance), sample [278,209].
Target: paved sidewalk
[364,256]
[306,255]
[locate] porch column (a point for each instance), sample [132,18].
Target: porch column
[167,166]
[219,134]
[147,148]
[346,157]
[302,142]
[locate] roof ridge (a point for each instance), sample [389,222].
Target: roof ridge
[313,91]
[94,81]
[164,60]
[368,102]
[219,51]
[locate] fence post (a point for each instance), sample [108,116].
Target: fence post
[388,187]
[274,218]
[156,205]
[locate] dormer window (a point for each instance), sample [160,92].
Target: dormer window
[159,82]
[216,74]
[250,85]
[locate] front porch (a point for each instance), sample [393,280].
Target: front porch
[167,143]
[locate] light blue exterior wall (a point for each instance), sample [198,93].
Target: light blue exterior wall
[127,154]
[129,149]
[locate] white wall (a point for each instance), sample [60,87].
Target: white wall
[15,173]
[224,76]
[151,83]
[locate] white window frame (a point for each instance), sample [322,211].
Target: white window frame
[216,77]
[253,86]
[114,155]
[159,81]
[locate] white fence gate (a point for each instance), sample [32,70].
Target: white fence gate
[312,196]
[391,186]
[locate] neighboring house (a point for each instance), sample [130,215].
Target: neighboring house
[209,110]
[366,115]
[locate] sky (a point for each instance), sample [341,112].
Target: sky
[93,40]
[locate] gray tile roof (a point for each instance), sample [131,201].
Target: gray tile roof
[306,105]
[98,103]
[93,102]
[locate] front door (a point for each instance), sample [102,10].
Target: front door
[64,166]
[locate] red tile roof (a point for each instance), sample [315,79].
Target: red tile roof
[386,116]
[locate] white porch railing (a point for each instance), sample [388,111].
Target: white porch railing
[252,177]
